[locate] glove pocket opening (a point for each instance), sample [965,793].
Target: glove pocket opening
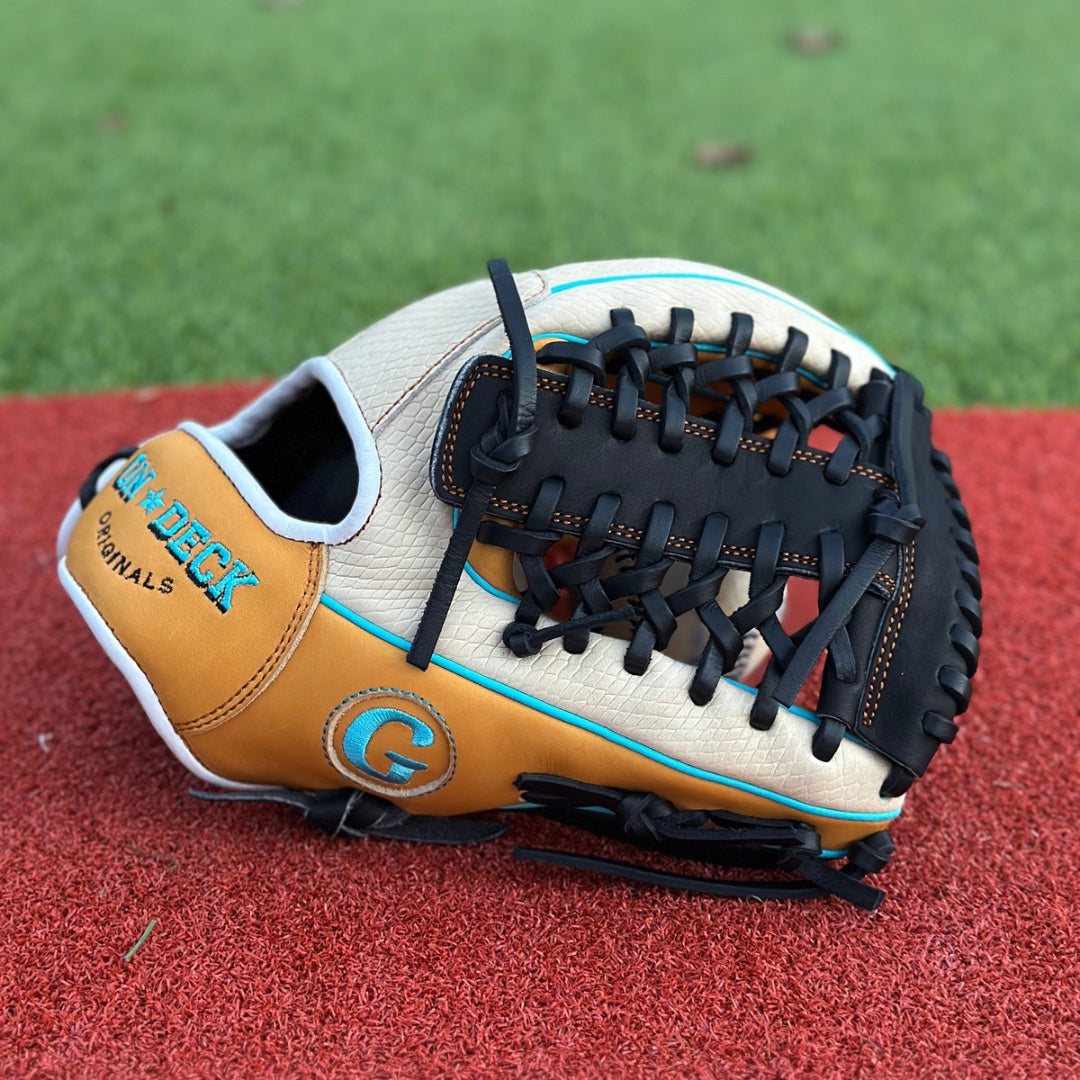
[301,455]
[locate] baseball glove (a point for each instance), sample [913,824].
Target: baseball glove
[573,600]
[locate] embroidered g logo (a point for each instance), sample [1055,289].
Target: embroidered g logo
[390,742]
[358,737]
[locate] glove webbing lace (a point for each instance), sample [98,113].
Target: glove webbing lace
[633,593]
[347,812]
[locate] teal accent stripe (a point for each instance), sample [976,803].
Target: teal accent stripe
[486,585]
[808,312]
[588,725]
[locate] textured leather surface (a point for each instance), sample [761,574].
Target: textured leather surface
[401,370]
[383,362]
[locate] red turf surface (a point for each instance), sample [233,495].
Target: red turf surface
[279,952]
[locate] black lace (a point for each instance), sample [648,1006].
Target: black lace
[712,836]
[632,594]
[498,453]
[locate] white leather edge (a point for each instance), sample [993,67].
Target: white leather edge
[140,684]
[67,527]
[248,424]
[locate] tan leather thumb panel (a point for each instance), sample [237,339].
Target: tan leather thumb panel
[207,600]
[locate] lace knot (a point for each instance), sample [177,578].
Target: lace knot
[901,524]
[522,639]
[637,814]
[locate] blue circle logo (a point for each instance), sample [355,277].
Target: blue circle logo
[390,742]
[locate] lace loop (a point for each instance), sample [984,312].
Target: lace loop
[499,452]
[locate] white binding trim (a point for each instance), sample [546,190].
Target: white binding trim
[254,419]
[141,685]
[67,527]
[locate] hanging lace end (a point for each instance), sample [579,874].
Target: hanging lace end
[450,570]
[711,836]
[497,454]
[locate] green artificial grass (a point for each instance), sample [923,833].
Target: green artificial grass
[212,189]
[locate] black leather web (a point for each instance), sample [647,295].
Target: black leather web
[742,398]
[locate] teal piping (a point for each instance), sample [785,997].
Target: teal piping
[588,725]
[486,585]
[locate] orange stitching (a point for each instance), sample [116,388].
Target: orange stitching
[890,638]
[652,415]
[887,580]
[626,532]
[242,697]
[455,422]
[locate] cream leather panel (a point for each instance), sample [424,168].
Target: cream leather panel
[386,572]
